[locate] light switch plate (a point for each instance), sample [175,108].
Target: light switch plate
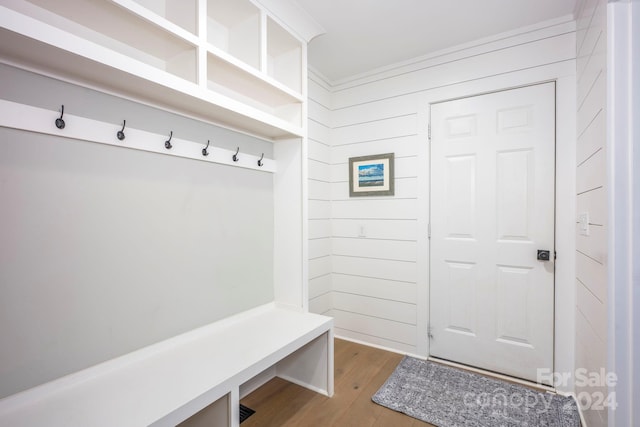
[583,223]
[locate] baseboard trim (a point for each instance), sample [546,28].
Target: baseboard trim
[380,347]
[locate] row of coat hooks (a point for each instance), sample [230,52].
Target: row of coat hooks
[60,124]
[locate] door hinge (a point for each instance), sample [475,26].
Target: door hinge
[429,131]
[429,332]
[429,230]
[555,255]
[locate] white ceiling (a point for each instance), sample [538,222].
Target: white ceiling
[362,35]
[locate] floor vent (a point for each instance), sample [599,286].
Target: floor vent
[245,413]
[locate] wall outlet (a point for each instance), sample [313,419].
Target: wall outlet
[362,232]
[583,223]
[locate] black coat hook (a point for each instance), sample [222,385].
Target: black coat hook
[59,122]
[120,133]
[204,150]
[260,163]
[167,143]
[235,156]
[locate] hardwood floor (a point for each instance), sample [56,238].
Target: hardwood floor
[359,373]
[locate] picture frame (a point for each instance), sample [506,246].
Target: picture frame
[371,175]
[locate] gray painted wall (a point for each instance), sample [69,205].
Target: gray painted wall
[104,250]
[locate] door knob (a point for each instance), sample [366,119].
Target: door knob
[543,255]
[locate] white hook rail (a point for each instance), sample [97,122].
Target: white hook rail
[34,119]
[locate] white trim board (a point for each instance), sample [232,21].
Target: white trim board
[623,164]
[33,119]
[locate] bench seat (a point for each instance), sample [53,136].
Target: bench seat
[168,382]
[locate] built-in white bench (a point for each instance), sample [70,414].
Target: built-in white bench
[196,378]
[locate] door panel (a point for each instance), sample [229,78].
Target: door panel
[492,208]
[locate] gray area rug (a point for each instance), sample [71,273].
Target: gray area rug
[450,397]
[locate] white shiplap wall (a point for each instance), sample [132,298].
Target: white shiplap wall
[319,161]
[379,247]
[374,239]
[591,250]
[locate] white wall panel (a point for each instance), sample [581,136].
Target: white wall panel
[590,104]
[385,128]
[319,151]
[592,274]
[591,349]
[371,248]
[376,268]
[390,229]
[375,209]
[375,307]
[402,146]
[590,352]
[319,286]
[405,188]
[321,304]
[591,256]
[596,308]
[374,287]
[376,110]
[405,167]
[595,244]
[319,209]
[319,170]
[590,140]
[590,64]
[319,228]
[318,113]
[376,327]
[590,174]
[318,90]
[594,23]
[373,340]
[318,131]
[595,203]
[583,20]
[587,63]
[319,247]
[319,194]
[319,190]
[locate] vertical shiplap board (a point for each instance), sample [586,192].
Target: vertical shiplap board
[319,161]
[591,256]
[379,244]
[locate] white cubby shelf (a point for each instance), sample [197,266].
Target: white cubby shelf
[224,61]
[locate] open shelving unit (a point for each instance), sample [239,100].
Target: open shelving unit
[182,13]
[284,56]
[228,62]
[225,61]
[235,28]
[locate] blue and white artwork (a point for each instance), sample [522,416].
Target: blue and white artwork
[371,175]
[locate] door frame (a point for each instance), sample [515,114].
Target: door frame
[565,215]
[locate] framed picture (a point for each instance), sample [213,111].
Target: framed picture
[371,175]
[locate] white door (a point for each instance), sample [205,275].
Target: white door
[492,209]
